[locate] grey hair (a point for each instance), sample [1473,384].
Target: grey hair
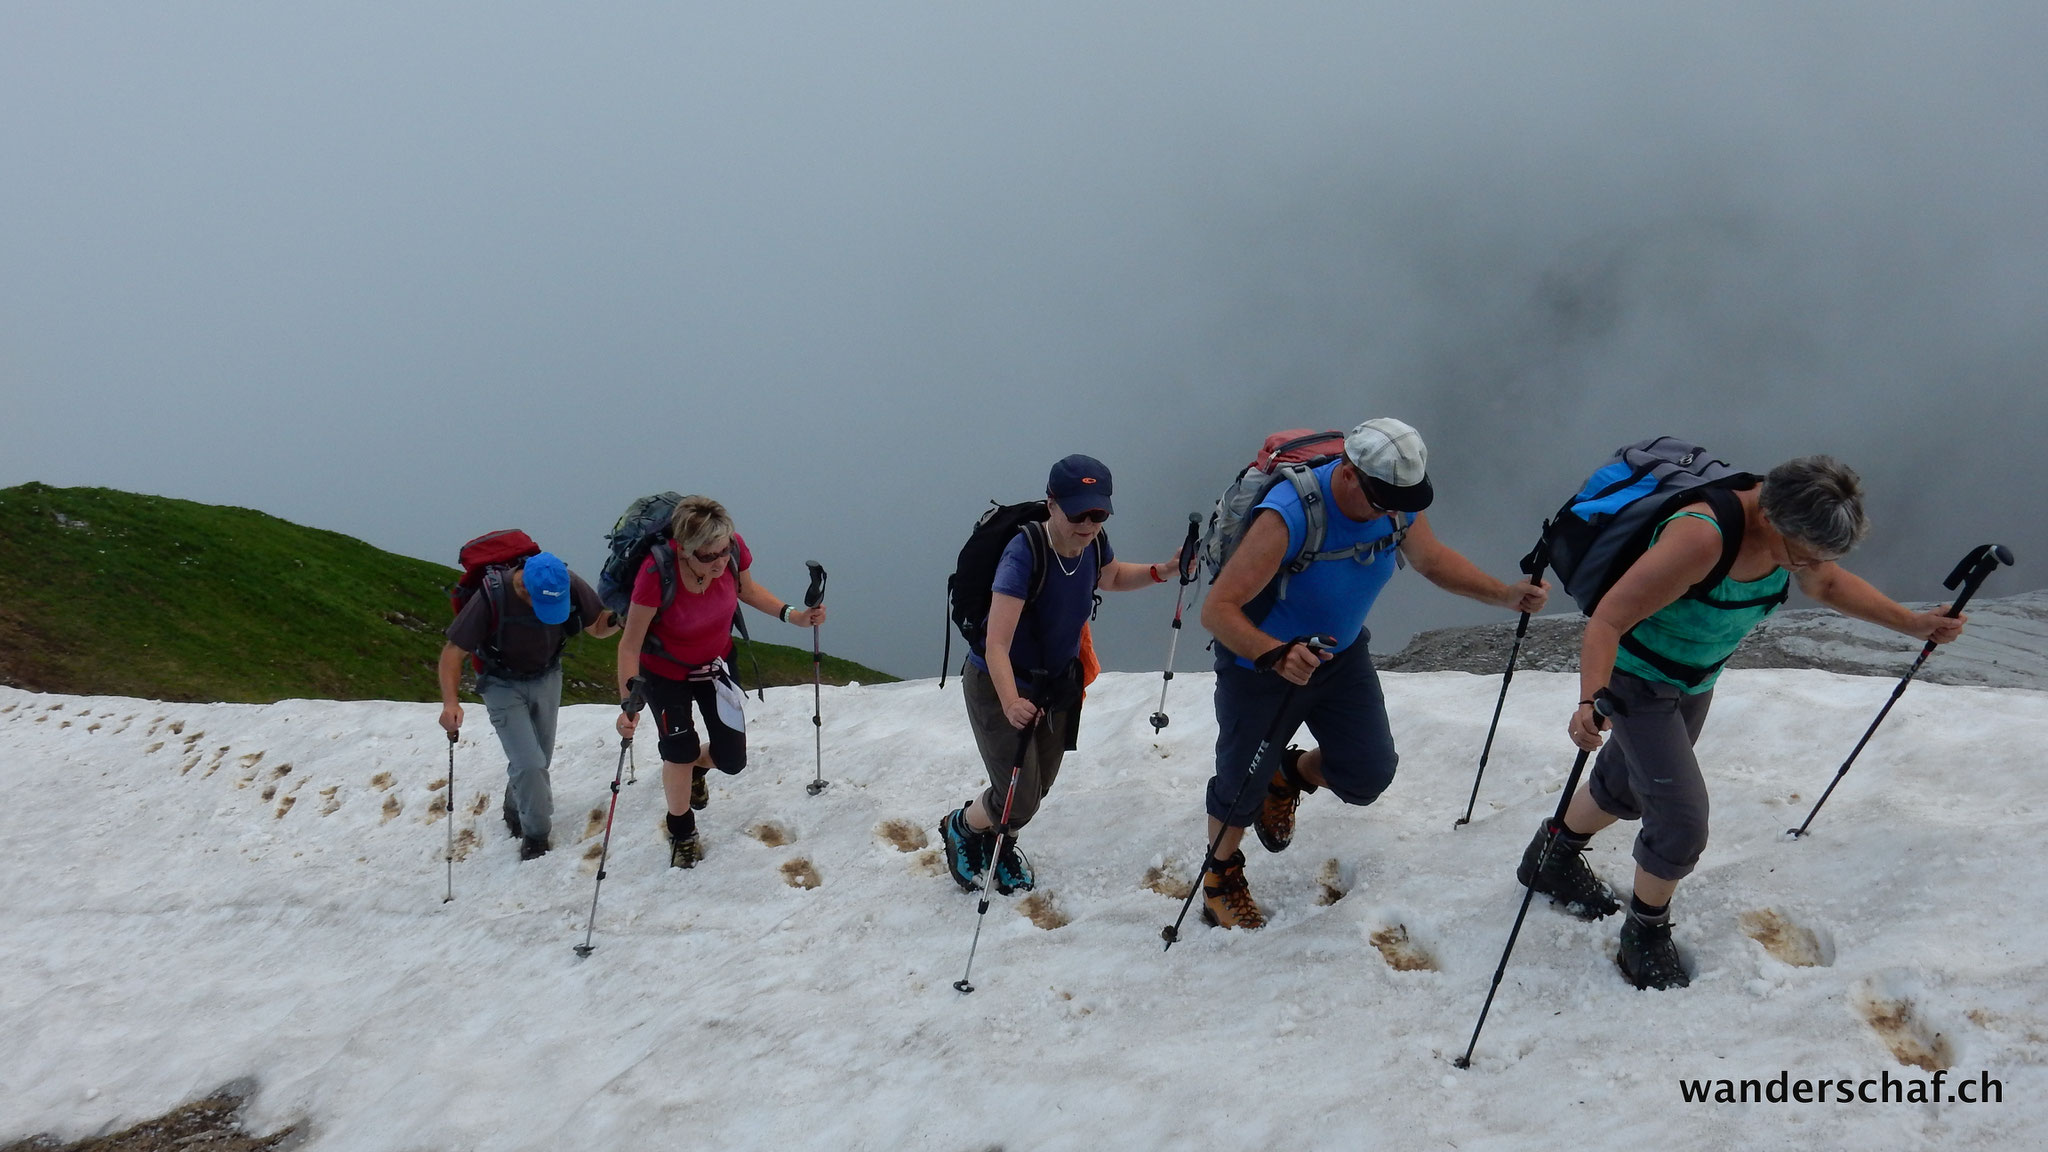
[699,520]
[1817,500]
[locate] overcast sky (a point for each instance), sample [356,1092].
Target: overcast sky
[414,272]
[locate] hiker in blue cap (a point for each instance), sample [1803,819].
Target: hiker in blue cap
[516,627]
[1024,674]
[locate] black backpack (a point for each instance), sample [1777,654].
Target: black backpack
[1606,526]
[968,590]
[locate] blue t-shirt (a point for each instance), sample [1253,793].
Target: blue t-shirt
[1332,597]
[1049,633]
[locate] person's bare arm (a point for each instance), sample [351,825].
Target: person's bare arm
[1683,555]
[761,599]
[1004,612]
[1247,572]
[1851,595]
[638,618]
[450,671]
[1448,569]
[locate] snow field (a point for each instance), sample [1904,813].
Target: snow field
[202,892]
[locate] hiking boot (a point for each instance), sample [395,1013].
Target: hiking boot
[1226,899]
[967,851]
[1013,870]
[700,792]
[1647,957]
[684,851]
[1566,878]
[1275,822]
[512,824]
[532,846]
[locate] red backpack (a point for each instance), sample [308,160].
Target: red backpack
[485,561]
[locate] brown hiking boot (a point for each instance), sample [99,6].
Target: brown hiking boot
[1226,899]
[1275,822]
[700,793]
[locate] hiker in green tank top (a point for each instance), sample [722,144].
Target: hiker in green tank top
[1657,641]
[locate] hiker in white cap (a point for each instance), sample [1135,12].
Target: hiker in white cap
[1378,487]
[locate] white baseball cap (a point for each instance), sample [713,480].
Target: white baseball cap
[1395,463]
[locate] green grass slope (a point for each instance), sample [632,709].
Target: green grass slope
[108,592]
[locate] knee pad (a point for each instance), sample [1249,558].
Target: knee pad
[680,747]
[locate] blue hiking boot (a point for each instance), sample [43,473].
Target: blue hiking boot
[967,851]
[1013,870]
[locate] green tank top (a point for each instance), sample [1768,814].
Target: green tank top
[1685,642]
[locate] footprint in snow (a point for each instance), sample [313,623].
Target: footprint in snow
[1166,880]
[1330,885]
[593,824]
[1401,953]
[799,873]
[483,801]
[391,809]
[330,800]
[1899,1023]
[285,805]
[465,843]
[1789,941]
[902,835]
[1041,909]
[436,808]
[774,833]
[928,862]
[382,781]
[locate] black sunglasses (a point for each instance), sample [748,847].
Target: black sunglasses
[1091,516]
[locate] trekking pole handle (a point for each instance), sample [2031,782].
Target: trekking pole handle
[1971,572]
[815,594]
[635,699]
[1190,548]
[1278,653]
[454,736]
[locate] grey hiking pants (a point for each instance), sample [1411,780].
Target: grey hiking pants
[1647,771]
[523,712]
[998,741]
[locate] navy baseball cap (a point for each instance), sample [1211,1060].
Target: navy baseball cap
[547,586]
[1079,483]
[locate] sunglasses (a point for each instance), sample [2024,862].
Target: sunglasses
[1091,516]
[711,557]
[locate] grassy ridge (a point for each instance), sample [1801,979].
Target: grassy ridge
[108,592]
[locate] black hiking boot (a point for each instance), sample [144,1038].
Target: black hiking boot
[1275,821]
[1013,870]
[532,846]
[512,824]
[700,792]
[684,849]
[1647,957]
[1566,877]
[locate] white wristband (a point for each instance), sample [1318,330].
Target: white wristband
[785,612]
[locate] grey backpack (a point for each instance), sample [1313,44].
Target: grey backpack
[1290,457]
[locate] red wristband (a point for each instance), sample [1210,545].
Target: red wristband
[1156,577]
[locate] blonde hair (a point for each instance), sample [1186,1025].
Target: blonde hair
[698,521]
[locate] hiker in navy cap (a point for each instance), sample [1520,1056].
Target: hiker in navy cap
[1373,495]
[517,628]
[1040,599]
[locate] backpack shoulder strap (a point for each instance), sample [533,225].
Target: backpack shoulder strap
[1315,513]
[1728,517]
[665,570]
[1036,540]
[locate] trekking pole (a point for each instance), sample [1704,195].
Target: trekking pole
[988,875]
[632,767]
[1605,706]
[1188,559]
[1171,933]
[1532,564]
[1982,561]
[452,738]
[633,706]
[814,596]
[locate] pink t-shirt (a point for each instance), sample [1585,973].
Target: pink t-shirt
[696,627]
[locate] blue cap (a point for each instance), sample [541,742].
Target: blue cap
[547,586]
[1078,484]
